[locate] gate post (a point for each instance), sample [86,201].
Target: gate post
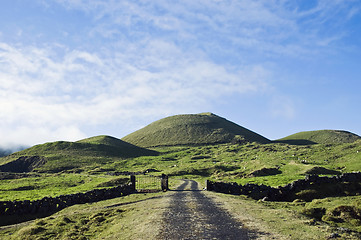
[164,182]
[132,180]
[208,185]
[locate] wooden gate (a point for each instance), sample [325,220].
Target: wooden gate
[150,182]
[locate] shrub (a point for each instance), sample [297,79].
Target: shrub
[346,212]
[343,213]
[316,213]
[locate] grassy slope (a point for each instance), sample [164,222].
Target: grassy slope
[226,162]
[321,136]
[94,146]
[237,162]
[91,152]
[191,129]
[287,218]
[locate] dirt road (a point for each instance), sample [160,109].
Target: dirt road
[193,215]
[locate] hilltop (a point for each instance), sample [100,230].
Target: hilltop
[320,137]
[192,129]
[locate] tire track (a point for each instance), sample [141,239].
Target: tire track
[193,215]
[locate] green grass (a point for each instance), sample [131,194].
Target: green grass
[132,217]
[207,147]
[52,185]
[320,137]
[84,165]
[236,162]
[298,219]
[223,162]
[281,219]
[95,146]
[338,212]
[191,129]
[83,155]
[138,216]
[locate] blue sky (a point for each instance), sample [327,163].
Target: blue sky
[71,69]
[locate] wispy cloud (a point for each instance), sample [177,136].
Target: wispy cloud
[43,94]
[136,59]
[276,27]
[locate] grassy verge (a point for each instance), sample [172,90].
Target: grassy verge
[136,216]
[282,220]
[343,213]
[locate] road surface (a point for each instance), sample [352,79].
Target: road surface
[193,215]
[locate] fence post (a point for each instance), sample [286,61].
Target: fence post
[164,182]
[132,180]
[208,185]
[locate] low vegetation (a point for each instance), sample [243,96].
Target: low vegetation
[117,218]
[52,185]
[201,146]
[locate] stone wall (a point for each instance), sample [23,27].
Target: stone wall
[53,204]
[284,193]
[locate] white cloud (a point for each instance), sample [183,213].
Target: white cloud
[28,135]
[155,58]
[46,96]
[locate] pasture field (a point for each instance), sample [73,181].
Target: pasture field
[77,170]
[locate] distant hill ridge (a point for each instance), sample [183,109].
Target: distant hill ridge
[320,137]
[186,130]
[99,145]
[192,129]
[61,155]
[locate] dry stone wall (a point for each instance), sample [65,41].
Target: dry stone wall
[284,193]
[53,204]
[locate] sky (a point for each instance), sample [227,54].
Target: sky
[71,69]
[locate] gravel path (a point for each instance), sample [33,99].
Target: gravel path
[193,215]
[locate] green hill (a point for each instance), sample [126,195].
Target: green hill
[192,129]
[62,155]
[94,146]
[320,137]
